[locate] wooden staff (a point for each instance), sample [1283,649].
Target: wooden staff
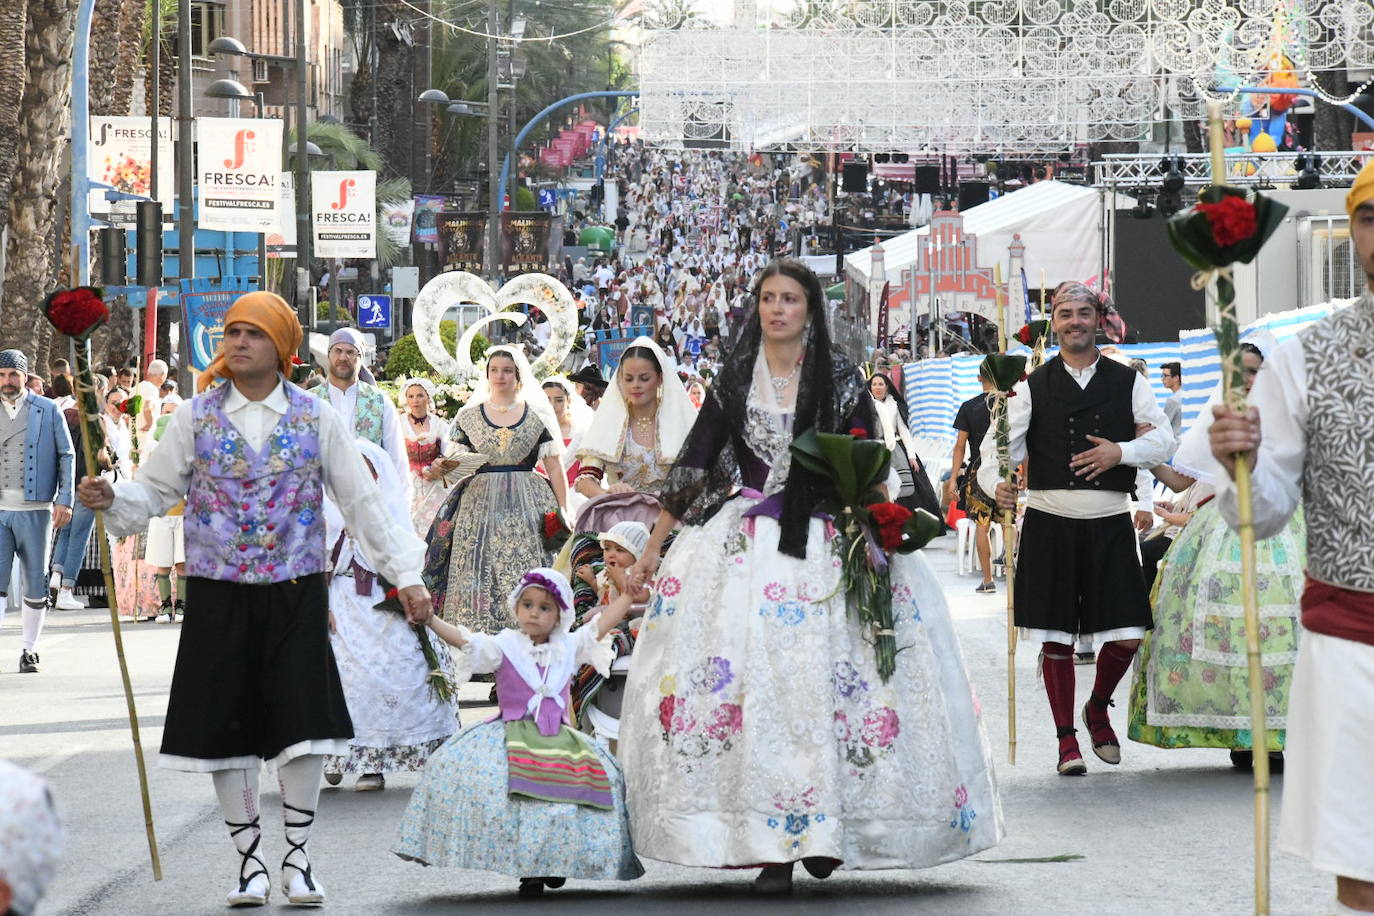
[81,358]
[1235,400]
[1008,538]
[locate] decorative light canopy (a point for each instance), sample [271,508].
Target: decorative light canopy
[954,75]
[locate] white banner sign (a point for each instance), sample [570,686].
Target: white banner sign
[397,220]
[281,242]
[120,154]
[239,173]
[344,216]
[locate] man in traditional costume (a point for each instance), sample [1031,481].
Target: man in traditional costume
[255,679]
[366,409]
[1315,398]
[36,463]
[1078,572]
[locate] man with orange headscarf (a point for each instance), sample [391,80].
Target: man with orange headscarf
[255,679]
[1314,396]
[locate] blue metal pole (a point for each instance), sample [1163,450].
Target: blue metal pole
[81,130]
[605,137]
[534,122]
[1308,93]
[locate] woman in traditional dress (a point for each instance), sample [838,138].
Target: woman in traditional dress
[425,434]
[639,428]
[489,530]
[916,491]
[756,727]
[398,720]
[1192,685]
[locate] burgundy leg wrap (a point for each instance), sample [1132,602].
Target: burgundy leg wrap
[1056,666]
[1113,661]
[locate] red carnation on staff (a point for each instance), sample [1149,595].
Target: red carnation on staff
[1024,335]
[890,518]
[859,432]
[1232,219]
[76,312]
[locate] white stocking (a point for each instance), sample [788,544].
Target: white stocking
[238,802]
[34,611]
[300,794]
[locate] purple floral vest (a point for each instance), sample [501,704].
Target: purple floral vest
[513,697]
[255,518]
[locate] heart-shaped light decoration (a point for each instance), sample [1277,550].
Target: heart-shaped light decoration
[457,287]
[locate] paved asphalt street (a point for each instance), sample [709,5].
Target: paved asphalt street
[1166,832]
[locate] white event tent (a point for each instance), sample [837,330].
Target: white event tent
[1060,224]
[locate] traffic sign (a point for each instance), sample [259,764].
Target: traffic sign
[547,198]
[374,311]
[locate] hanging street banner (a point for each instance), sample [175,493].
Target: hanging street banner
[344,216]
[462,238]
[205,301]
[397,220]
[239,174]
[427,210]
[281,242]
[121,155]
[525,242]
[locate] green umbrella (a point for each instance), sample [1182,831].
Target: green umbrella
[835,292]
[598,238]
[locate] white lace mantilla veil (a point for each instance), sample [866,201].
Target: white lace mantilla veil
[531,392]
[580,414]
[393,496]
[1194,454]
[605,438]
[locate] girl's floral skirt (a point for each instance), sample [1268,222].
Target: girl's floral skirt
[756,729]
[462,815]
[1192,681]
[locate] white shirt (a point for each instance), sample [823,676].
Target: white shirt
[345,401]
[152,402]
[1280,396]
[1155,447]
[165,477]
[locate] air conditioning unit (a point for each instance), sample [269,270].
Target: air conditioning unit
[260,71]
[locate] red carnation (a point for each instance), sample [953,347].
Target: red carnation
[391,593]
[1233,220]
[859,432]
[77,312]
[552,524]
[1024,335]
[889,517]
[296,360]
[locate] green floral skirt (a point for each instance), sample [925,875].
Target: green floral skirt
[1191,685]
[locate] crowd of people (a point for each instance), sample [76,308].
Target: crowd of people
[557,531]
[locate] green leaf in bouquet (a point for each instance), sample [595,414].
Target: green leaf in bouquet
[1005,370]
[806,451]
[919,530]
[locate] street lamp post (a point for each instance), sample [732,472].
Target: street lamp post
[495,204]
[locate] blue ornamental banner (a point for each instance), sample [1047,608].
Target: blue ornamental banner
[204,301]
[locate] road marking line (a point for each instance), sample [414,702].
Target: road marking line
[47,763]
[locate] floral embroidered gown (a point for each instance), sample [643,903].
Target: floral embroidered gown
[1192,682]
[489,531]
[755,726]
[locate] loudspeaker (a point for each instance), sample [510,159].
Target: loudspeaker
[114,268]
[149,244]
[855,180]
[927,179]
[972,193]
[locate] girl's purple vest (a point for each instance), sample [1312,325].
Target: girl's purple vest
[513,697]
[254,517]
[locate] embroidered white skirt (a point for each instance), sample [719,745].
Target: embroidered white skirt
[756,729]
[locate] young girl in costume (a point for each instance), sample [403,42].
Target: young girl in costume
[523,793]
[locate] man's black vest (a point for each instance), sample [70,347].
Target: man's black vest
[1063,415]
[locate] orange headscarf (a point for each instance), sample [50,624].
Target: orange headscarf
[1362,190]
[270,314]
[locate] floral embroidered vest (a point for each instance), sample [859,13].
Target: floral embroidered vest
[1336,485]
[255,518]
[367,410]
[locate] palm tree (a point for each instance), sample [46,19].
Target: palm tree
[31,265]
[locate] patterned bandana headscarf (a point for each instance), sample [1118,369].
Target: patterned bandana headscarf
[1108,318]
[270,314]
[14,359]
[355,340]
[30,835]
